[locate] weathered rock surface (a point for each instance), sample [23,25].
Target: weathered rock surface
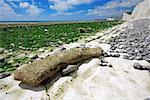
[38,71]
[126,16]
[120,82]
[4,74]
[142,10]
[93,82]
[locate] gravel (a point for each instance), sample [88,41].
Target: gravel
[135,40]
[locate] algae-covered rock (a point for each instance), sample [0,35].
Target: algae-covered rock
[38,71]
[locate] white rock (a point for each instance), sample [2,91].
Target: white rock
[89,66]
[13,90]
[122,82]
[126,16]
[141,11]
[93,44]
[58,88]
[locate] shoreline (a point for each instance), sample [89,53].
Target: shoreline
[21,23]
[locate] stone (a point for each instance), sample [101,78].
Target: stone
[103,61]
[147,99]
[2,50]
[137,66]
[110,65]
[92,64]
[131,57]
[103,64]
[4,74]
[114,55]
[125,57]
[113,48]
[34,57]
[138,58]
[105,54]
[38,71]
[146,67]
[148,59]
[69,69]
[2,58]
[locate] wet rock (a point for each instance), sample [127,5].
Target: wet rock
[137,66]
[105,55]
[122,51]
[141,67]
[114,55]
[110,65]
[131,57]
[103,61]
[148,60]
[2,58]
[138,58]
[113,48]
[32,56]
[103,64]
[4,74]
[35,57]
[2,50]
[69,69]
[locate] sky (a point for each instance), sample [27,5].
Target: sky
[63,10]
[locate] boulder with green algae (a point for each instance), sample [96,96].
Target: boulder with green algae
[38,71]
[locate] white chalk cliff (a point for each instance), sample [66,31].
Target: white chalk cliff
[141,11]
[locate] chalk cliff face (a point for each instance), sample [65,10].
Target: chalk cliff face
[126,16]
[141,11]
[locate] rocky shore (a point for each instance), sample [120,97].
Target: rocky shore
[135,41]
[122,72]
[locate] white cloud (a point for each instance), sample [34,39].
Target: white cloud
[14,5]
[32,10]
[122,3]
[6,11]
[113,8]
[24,5]
[63,5]
[102,12]
[67,13]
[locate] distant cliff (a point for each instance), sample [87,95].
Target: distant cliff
[141,11]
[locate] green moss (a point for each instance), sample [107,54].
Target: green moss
[32,37]
[23,60]
[6,67]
